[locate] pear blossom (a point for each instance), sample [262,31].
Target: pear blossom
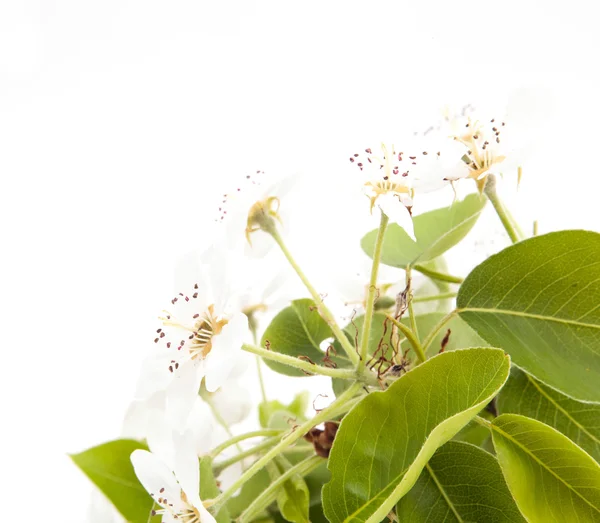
[200,338]
[395,174]
[174,486]
[495,137]
[244,210]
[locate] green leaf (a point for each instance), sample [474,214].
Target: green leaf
[293,498]
[524,395]
[110,469]
[249,492]
[476,434]
[461,335]
[460,483]
[436,232]
[296,331]
[385,441]
[274,414]
[550,477]
[539,300]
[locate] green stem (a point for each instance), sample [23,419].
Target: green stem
[437,297]
[248,435]
[338,407]
[410,336]
[323,310]
[222,465]
[483,422]
[505,218]
[429,339]
[261,380]
[348,374]
[411,312]
[435,275]
[270,493]
[366,331]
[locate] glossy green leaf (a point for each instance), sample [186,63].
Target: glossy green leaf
[209,488]
[274,414]
[435,231]
[550,477]
[385,441]
[109,467]
[539,300]
[461,335]
[476,434]
[296,331]
[460,483]
[524,395]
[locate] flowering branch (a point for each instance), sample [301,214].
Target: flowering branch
[366,332]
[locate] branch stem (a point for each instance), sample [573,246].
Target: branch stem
[366,331]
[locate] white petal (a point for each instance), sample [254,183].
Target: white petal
[154,376]
[205,515]
[232,402]
[155,476]
[397,213]
[183,391]
[225,347]
[201,423]
[186,466]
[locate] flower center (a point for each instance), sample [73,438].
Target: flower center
[186,514]
[206,326]
[482,141]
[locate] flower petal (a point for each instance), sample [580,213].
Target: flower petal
[182,392]
[220,361]
[156,478]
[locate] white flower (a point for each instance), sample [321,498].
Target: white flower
[396,174]
[175,487]
[201,337]
[255,200]
[495,137]
[148,420]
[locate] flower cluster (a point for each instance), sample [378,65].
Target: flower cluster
[189,395]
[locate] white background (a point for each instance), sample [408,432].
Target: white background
[121,120]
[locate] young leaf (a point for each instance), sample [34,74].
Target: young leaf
[550,478]
[539,301]
[109,467]
[293,499]
[296,331]
[460,483]
[384,442]
[524,395]
[436,232]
